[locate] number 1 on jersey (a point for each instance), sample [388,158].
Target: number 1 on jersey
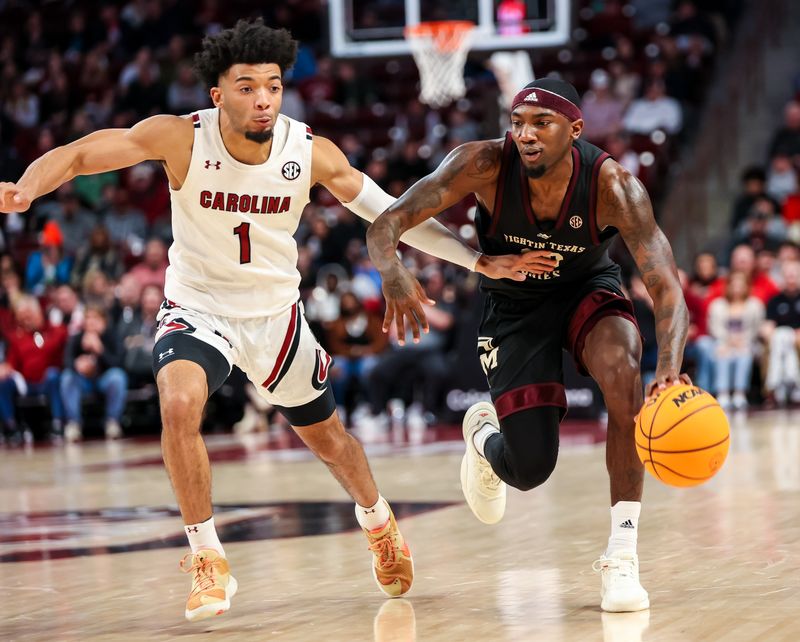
[243,232]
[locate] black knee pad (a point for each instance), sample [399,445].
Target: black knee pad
[526,453]
[312,412]
[177,345]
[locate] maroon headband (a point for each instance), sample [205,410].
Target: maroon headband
[549,100]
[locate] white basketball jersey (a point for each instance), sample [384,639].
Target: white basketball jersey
[233,252]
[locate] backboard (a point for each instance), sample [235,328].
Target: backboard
[365,28]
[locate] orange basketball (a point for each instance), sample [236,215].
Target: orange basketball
[682,436]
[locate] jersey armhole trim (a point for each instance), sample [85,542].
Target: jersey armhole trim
[501,184]
[309,158]
[593,228]
[195,117]
[573,181]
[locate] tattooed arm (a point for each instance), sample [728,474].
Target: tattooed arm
[470,168]
[461,173]
[624,204]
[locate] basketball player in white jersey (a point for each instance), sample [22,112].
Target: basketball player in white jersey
[239,177]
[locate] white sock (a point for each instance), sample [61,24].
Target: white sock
[480,436]
[374,516]
[624,527]
[203,535]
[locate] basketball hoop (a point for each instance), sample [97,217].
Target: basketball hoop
[440,51]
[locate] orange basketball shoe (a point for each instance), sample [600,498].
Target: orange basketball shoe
[392,568]
[213,586]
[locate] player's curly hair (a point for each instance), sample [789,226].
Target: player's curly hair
[247,42]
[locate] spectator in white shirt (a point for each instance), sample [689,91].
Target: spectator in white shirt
[781,178]
[602,111]
[654,111]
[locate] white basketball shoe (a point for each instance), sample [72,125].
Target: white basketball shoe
[484,491]
[621,591]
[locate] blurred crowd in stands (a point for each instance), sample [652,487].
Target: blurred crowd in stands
[744,301]
[82,273]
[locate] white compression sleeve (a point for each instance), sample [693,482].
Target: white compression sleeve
[430,236]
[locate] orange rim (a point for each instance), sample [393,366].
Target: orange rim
[447,35]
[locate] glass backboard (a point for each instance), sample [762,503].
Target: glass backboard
[363,28]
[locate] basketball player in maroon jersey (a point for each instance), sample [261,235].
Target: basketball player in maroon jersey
[543,188]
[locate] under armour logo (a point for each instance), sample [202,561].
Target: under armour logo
[191,529]
[627,524]
[164,355]
[531,97]
[576,222]
[367,511]
[542,235]
[216,164]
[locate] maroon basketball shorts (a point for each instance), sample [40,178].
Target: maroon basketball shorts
[520,342]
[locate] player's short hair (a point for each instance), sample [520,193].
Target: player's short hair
[247,42]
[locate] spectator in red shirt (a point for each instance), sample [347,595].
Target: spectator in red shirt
[699,346]
[35,351]
[148,194]
[152,269]
[706,273]
[743,259]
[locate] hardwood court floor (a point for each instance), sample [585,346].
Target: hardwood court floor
[721,562]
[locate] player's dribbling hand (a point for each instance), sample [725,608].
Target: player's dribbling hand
[13,199]
[666,380]
[404,299]
[516,266]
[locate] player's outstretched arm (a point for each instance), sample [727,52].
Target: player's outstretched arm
[359,193]
[625,204]
[101,151]
[468,169]
[457,176]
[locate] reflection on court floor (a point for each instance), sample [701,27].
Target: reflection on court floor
[54,535]
[721,561]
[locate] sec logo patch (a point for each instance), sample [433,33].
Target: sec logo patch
[291,170]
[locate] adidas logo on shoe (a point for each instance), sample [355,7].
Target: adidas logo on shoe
[627,524]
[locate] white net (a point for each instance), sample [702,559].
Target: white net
[440,51]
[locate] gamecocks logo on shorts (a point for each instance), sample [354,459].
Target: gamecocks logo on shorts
[321,368]
[291,170]
[177,324]
[576,222]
